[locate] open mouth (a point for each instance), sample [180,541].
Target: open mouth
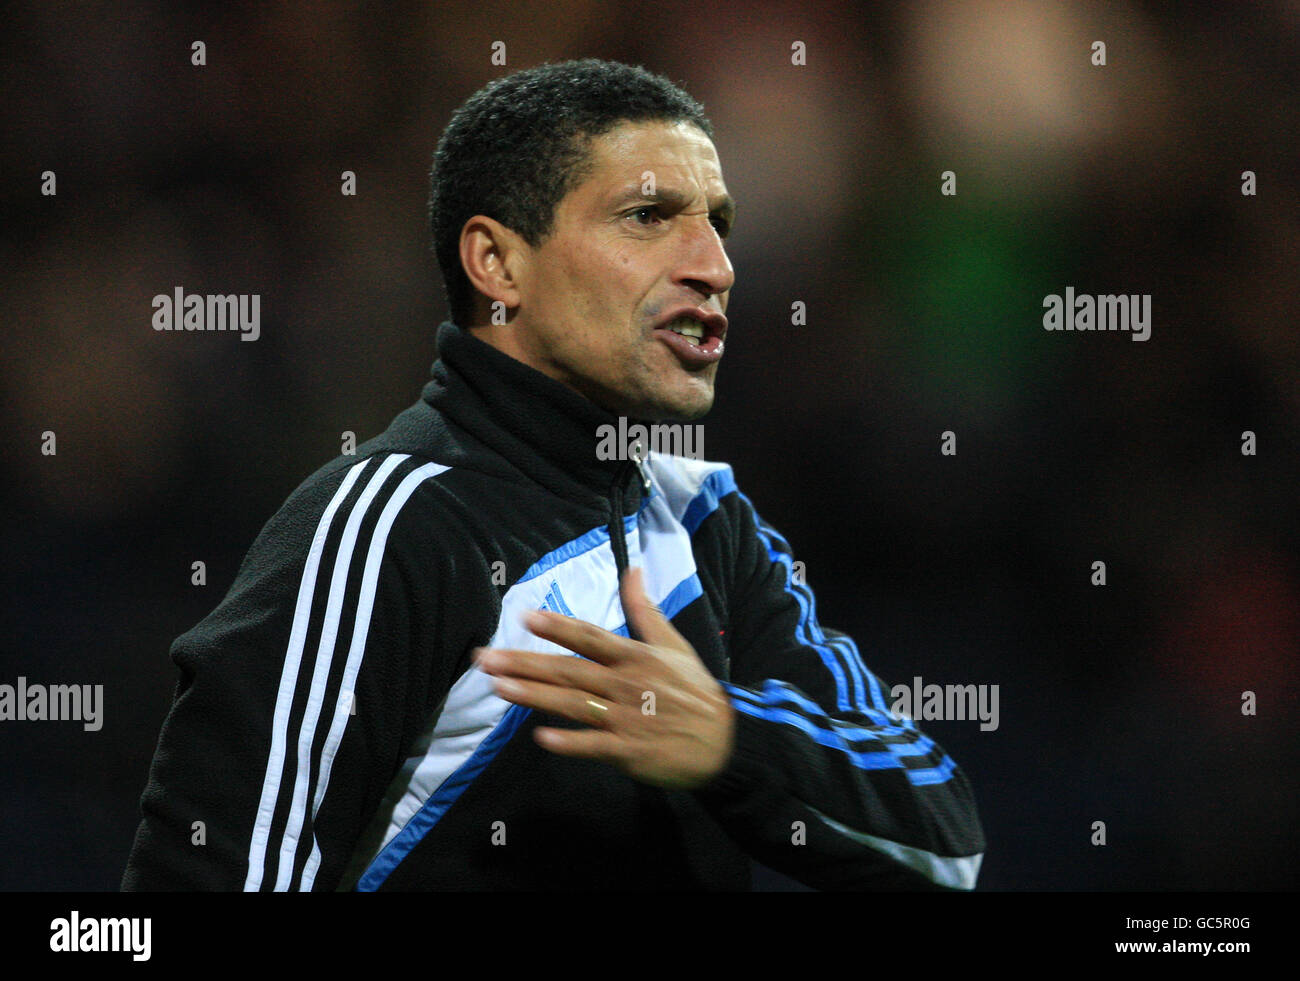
[689,328]
[695,340]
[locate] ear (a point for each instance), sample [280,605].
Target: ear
[493,258]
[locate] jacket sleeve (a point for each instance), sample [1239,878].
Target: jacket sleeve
[297,694]
[824,784]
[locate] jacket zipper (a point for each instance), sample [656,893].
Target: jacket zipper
[616,538]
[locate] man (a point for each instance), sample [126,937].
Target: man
[479,654]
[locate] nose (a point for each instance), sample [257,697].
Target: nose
[703,264]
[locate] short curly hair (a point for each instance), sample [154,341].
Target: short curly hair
[518,145]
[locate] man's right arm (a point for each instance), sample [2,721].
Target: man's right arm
[299,693]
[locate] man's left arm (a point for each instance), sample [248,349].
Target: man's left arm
[823,783]
[794,753]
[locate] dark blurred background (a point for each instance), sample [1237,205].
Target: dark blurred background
[1119,703]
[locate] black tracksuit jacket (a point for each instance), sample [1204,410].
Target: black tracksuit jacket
[329,731]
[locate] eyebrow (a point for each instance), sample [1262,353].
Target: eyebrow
[724,209]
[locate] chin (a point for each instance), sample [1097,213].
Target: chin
[688,404]
[685,410]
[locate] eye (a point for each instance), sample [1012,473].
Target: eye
[644,209]
[722,225]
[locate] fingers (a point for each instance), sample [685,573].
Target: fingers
[581,637]
[647,621]
[569,703]
[587,743]
[552,669]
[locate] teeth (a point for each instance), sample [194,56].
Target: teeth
[688,328]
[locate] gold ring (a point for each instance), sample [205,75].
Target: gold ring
[598,708]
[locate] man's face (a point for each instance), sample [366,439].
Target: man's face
[637,242]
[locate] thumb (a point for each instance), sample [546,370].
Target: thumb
[647,622]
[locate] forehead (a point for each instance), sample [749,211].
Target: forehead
[678,154]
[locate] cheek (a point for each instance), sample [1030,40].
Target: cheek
[579,280]
[601,291]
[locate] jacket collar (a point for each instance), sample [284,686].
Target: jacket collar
[537,425]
